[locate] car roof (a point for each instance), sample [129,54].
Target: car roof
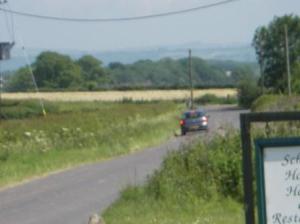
[194,111]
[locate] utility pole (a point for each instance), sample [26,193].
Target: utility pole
[262,77]
[287,60]
[1,86]
[1,77]
[1,81]
[191,80]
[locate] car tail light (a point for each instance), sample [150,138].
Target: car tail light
[204,118]
[181,122]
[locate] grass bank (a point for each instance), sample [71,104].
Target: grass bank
[276,103]
[76,133]
[198,184]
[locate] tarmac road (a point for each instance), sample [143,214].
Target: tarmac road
[70,197]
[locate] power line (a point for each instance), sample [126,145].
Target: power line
[119,19]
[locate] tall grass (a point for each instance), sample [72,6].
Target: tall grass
[198,184]
[15,109]
[276,103]
[79,134]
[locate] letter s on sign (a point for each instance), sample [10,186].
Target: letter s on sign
[286,160]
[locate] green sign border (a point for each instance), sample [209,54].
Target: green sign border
[260,145]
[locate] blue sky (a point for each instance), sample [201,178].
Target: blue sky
[227,24]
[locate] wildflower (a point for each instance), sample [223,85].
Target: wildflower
[65,129]
[44,150]
[27,134]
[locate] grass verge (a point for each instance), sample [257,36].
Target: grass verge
[77,133]
[194,211]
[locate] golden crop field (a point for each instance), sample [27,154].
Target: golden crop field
[147,95]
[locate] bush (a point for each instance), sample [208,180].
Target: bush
[213,99]
[207,98]
[202,170]
[248,91]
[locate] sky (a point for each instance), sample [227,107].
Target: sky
[233,23]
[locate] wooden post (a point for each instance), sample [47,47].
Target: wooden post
[191,79]
[288,70]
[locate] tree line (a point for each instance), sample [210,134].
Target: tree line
[54,71]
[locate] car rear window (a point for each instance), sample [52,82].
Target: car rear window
[193,114]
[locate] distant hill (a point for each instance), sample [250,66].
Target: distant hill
[233,52]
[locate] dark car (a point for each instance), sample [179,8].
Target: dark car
[193,120]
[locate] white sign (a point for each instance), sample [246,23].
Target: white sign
[282,184]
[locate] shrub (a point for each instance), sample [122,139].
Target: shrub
[213,99]
[207,98]
[248,91]
[201,170]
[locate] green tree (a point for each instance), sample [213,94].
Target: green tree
[94,74]
[296,77]
[20,81]
[56,71]
[91,67]
[116,65]
[248,91]
[269,43]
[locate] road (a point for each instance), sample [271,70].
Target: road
[70,197]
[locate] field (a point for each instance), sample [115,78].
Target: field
[146,95]
[77,133]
